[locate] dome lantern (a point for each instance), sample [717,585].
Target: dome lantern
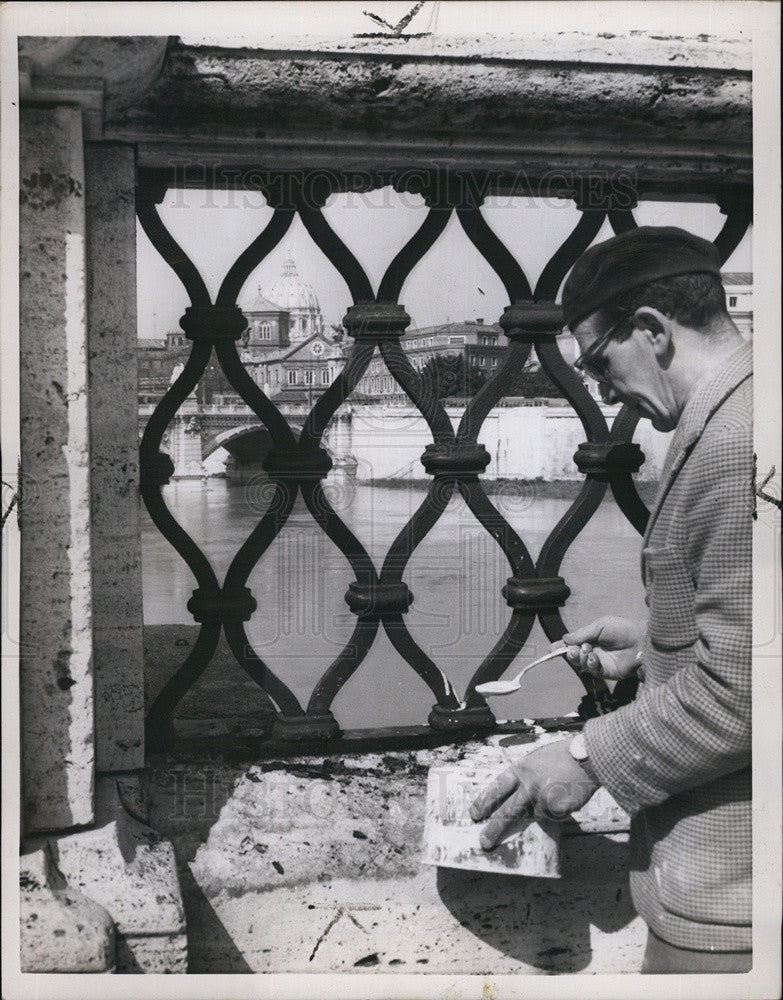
[298,298]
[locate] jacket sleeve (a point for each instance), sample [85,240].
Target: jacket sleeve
[696,726]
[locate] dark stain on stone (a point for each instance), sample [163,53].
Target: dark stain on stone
[396,961]
[58,932]
[62,669]
[60,392]
[334,768]
[278,867]
[359,835]
[367,960]
[555,950]
[381,84]
[43,189]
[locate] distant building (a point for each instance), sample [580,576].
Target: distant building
[296,298]
[268,325]
[739,300]
[288,354]
[479,343]
[157,359]
[284,348]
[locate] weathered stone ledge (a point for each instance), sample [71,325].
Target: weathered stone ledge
[315,865]
[672,110]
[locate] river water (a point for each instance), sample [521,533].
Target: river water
[456,575]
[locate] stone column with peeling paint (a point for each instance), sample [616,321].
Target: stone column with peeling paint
[57,705]
[118,645]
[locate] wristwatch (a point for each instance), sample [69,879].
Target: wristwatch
[578,750]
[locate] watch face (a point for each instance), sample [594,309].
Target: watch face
[578,747]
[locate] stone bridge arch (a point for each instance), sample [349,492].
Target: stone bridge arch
[233,440]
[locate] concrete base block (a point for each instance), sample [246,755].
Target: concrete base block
[61,929]
[126,867]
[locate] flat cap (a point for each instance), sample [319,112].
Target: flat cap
[634,258]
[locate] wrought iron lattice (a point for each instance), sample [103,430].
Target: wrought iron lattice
[454,460]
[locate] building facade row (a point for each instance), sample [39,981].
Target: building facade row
[290,355]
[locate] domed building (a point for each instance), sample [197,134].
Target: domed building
[284,348]
[296,297]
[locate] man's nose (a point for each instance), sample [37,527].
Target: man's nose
[608,395]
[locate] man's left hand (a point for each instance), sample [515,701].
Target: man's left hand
[545,784]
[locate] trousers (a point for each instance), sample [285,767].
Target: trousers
[660,957]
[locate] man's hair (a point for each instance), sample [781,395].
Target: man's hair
[694,300]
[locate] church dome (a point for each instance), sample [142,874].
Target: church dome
[290,292]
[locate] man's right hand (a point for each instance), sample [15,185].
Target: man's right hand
[610,647]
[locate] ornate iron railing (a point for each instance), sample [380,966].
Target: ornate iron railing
[454,460]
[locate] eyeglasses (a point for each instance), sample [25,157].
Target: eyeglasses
[592,362]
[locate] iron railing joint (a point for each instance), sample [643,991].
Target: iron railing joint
[213,322]
[156,470]
[602,459]
[536,593]
[222,604]
[378,598]
[529,320]
[459,460]
[297,464]
[376,321]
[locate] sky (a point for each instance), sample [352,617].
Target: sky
[460,17]
[452,282]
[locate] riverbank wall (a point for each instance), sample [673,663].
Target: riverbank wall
[526,443]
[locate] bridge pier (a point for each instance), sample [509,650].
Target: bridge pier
[240,471]
[184,443]
[340,443]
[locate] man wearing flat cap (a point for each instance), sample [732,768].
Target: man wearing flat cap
[648,310]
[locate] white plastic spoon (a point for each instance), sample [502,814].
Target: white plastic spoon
[508,687]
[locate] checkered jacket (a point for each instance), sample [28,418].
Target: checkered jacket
[678,757]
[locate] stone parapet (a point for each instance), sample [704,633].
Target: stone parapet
[315,864]
[536,105]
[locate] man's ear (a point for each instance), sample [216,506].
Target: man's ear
[657,327]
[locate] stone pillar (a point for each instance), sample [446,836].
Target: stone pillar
[118,646]
[341,444]
[186,441]
[56,670]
